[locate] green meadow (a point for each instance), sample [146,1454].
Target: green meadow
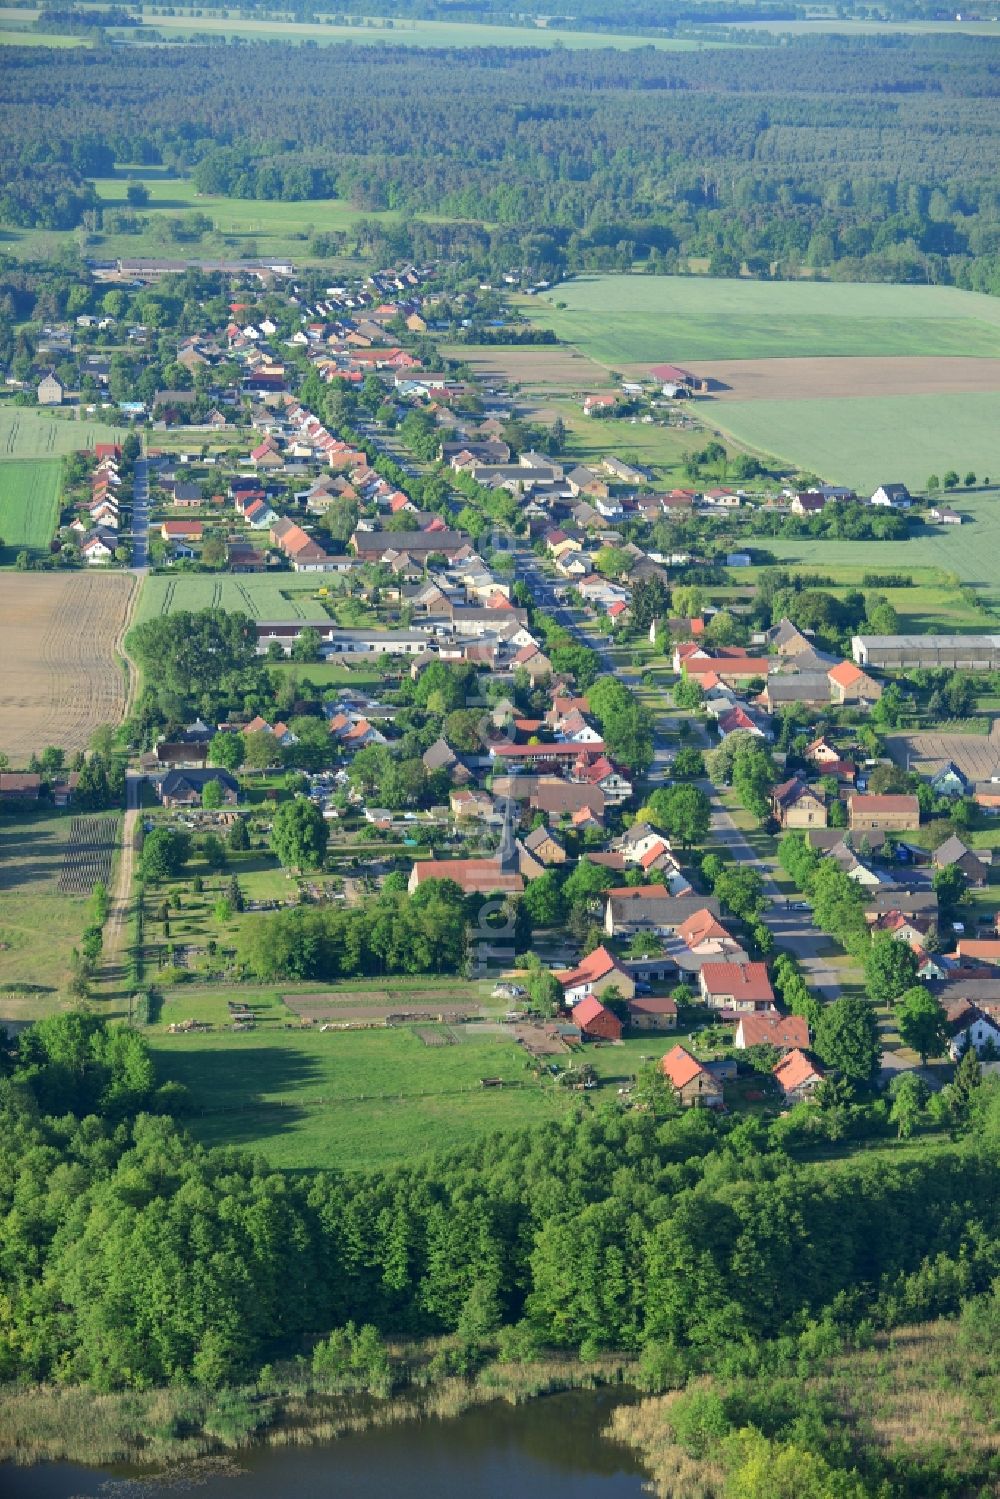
[637,319]
[29,505]
[347,1099]
[866,440]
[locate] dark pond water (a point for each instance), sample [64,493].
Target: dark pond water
[547,1449]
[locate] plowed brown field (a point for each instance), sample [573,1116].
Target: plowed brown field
[825,379]
[60,676]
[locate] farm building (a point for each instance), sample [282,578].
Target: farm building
[946,652]
[883,813]
[596,1023]
[652,1013]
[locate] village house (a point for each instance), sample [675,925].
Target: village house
[694,1086]
[185,788]
[651,908]
[545,846]
[849,684]
[797,1076]
[51,391]
[182,530]
[796,805]
[736,987]
[954,854]
[598,971]
[890,813]
[786,1032]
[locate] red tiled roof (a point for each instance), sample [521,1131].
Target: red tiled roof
[680,1067]
[775,1030]
[794,1070]
[594,966]
[741,980]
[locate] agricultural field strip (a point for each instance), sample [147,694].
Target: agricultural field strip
[29,503]
[864,442]
[261,598]
[62,677]
[627,320]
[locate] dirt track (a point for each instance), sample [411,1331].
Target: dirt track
[61,677]
[829,379]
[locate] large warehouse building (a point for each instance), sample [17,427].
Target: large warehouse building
[954,652]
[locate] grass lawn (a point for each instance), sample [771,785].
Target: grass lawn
[629,319]
[348,1099]
[855,440]
[29,504]
[288,597]
[39,926]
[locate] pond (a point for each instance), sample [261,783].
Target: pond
[546,1449]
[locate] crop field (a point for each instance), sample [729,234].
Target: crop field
[29,505]
[632,321]
[39,925]
[61,675]
[89,851]
[28,433]
[864,442]
[261,597]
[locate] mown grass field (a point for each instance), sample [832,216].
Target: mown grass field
[29,505]
[625,320]
[361,1099]
[39,926]
[864,442]
[288,598]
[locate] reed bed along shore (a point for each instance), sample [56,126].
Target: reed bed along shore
[153,1429]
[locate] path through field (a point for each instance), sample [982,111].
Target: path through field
[116,927]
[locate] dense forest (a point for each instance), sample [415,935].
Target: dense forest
[130,1256]
[874,158]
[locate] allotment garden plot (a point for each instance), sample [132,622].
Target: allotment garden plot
[62,677]
[88,856]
